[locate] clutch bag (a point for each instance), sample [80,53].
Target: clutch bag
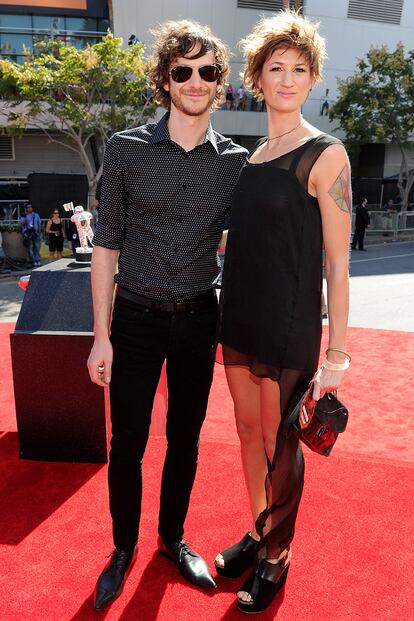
[326,418]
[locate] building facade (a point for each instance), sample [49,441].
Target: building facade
[22,25]
[350,27]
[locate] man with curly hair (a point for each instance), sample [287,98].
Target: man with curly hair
[167,188]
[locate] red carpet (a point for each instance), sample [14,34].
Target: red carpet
[351,556]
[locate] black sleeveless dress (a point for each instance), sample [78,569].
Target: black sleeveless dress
[271,307]
[56,237]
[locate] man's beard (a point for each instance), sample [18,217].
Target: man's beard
[178,102]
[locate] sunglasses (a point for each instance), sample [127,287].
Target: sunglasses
[208,73]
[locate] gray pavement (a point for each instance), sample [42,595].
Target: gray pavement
[11,297]
[382,288]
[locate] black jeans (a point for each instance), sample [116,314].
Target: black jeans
[358,238]
[142,339]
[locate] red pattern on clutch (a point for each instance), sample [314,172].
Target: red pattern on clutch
[318,423]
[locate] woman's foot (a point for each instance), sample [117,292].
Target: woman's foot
[264,583]
[234,561]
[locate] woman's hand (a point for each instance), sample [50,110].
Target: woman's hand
[325,381]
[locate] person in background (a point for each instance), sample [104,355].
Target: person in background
[325,103]
[241,92]
[54,228]
[362,221]
[390,207]
[72,236]
[230,97]
[31,228]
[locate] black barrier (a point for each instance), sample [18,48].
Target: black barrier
[60,413]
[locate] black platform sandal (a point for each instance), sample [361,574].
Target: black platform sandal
[263,584]
[238,558]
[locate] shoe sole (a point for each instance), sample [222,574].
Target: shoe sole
[241,605]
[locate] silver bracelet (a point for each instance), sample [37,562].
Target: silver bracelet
[332,366]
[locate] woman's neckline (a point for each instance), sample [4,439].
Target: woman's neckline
[274,159]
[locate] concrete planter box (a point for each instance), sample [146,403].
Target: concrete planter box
[13,246]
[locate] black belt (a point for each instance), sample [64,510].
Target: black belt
[201,301]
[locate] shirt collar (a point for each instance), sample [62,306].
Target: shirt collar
[161,132]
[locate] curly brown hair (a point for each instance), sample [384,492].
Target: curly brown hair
[287,29]
[175,39]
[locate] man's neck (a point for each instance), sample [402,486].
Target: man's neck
[187,131]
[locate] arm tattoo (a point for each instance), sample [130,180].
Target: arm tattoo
[341,191]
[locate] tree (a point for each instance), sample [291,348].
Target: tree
[376,104]
[77,96]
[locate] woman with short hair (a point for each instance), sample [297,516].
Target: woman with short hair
[293,198]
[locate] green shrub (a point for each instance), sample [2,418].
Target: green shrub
[10,227]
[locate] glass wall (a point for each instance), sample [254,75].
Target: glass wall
[21,32]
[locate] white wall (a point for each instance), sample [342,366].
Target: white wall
[350,39]
[347,39]
[33,153]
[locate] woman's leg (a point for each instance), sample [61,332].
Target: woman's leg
[270,421]
[284,482]
[51,257]
[245,391]
[269,414]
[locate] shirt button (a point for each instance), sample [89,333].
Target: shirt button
[184,186]
[180,218]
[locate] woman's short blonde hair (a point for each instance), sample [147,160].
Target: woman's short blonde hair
[175,39]
[285,30]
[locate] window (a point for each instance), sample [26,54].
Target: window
[376,10]
[13,44]
[25,31]
[270,5]
[15,21]
[80,23]
[48,22]
[7,148]
[103,25]
[81,42]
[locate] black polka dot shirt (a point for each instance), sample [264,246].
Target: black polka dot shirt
[164,209]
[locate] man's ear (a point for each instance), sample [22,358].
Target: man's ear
[166,86]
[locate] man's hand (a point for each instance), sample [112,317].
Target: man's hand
[100,362]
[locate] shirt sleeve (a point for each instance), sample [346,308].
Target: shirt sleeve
[109,231]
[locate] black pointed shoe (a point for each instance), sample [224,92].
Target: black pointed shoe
[112,579]
[192,566]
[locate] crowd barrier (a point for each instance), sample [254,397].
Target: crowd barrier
[396,225]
